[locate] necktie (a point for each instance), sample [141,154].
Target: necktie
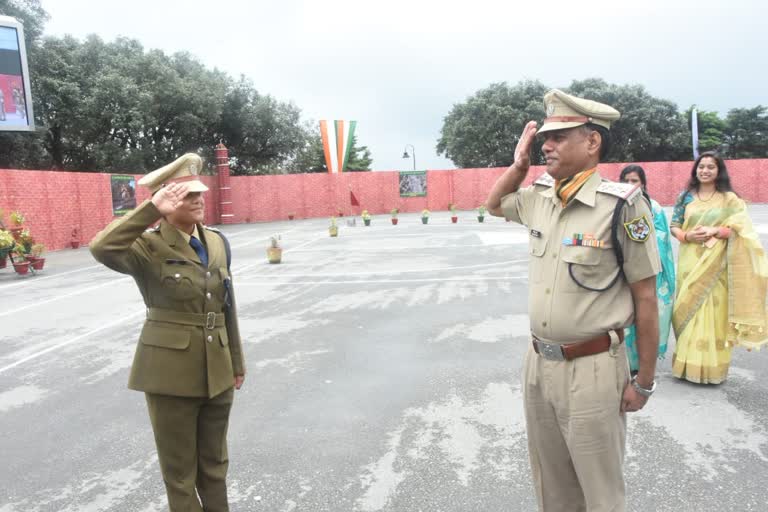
[200,250]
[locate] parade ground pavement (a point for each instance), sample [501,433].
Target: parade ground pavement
[384,371]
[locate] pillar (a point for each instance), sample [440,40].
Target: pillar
[226,215]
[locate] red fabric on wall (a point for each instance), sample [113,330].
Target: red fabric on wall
[55,203]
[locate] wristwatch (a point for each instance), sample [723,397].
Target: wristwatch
[640,389]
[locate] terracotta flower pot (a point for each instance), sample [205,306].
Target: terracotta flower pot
[290,217]
[454,219]
[38,263]
[21,268]
[394,222]
[75,244]
[274,254]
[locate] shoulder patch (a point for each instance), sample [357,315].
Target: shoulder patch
[212,229]
[545,180]
[624,191]
[639,229]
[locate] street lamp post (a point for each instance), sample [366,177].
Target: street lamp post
[413,152]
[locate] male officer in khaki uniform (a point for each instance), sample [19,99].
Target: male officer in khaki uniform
[581,297]
[189,355]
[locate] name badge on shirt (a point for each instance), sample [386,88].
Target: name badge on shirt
[535,234]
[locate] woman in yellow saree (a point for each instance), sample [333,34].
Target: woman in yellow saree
[722,276]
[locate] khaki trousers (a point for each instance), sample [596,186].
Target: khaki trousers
[191,439]
[576,433]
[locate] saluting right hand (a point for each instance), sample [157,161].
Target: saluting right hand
[524,145]
[170,197]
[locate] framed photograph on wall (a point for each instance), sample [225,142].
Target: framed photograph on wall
[123,194]
[413,183]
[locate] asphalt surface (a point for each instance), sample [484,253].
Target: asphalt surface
[384,375]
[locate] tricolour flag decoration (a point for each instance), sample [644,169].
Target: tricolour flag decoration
[337,143]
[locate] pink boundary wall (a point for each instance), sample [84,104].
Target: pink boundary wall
[55,203]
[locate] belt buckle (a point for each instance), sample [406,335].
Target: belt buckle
[210,320]
[551,351]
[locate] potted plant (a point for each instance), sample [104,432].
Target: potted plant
[6,245]
[424,216]
[394,213]
[17,219]
[481,213]
[333,229]
[291,215]
[19,259]
[26,240]
[35,256]
[454,217]
[366,217]
[274,251]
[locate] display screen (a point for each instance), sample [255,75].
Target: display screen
[15,111]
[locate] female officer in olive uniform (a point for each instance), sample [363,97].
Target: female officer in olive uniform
[189,356]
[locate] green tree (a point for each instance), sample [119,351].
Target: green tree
[650,128]
[111,106]
[263,133]
[30,13]
[484,130]
[747,130]
[359,158]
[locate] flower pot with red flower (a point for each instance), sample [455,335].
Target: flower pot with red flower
[454,217]
[35,257]
[20,263]
[394,213]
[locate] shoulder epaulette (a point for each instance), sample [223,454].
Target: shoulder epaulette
[227,247]
[153,230]
[625,191]
[545,180]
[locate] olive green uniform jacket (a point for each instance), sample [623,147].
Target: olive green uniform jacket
[190,343]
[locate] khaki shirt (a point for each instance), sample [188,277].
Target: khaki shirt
[561,311]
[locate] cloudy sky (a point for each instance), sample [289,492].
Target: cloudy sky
[398,66]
